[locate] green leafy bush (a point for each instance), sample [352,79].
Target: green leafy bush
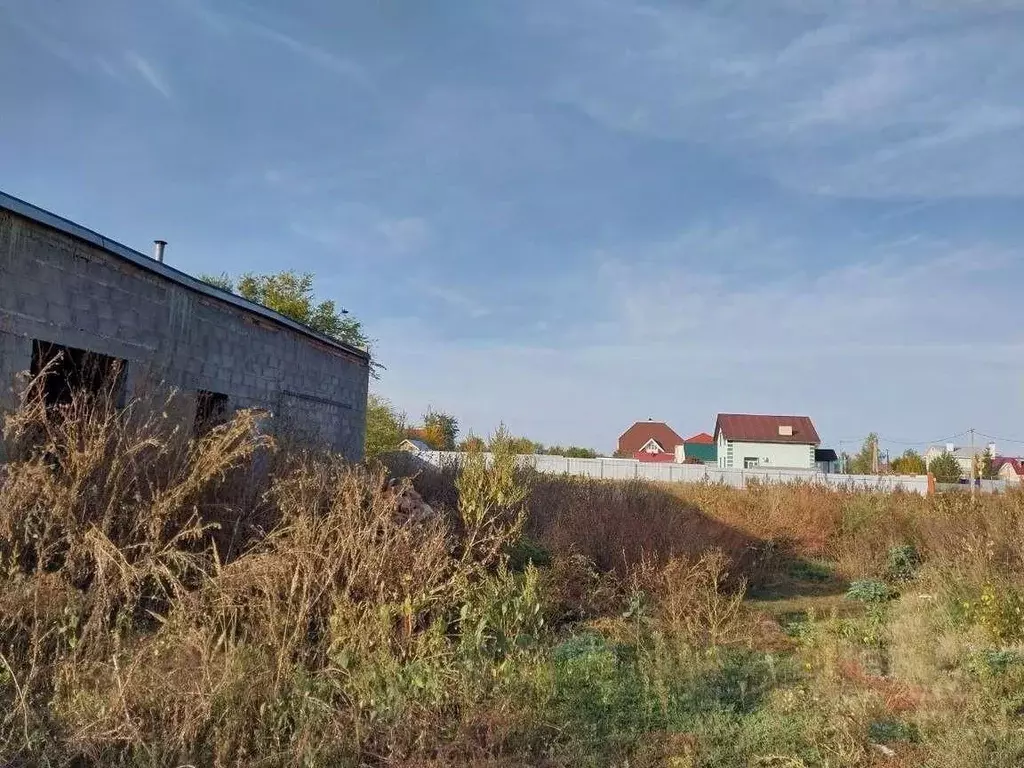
[811,570]
[902,562]
[999,611]
[525,551]
[889,731]
[871,591]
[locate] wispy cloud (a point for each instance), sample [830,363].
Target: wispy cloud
[242,19]
[869,93]
[148,71]
[312,53]
[405,235]
[456,299]
[357,230]
[673,336]
[882,104]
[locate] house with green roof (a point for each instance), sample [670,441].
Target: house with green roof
[698,449]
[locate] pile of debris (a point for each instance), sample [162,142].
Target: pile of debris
[411,507]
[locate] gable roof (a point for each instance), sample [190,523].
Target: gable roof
[701,438]
[1016,464]
[635,438]
[414,444]
[765,429]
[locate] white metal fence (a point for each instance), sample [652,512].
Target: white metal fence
[627,469]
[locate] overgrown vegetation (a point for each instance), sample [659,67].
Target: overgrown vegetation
[229,601]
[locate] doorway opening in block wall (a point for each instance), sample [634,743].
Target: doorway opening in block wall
[61,373]
[211,410]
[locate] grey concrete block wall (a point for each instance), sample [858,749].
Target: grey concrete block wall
[56,287]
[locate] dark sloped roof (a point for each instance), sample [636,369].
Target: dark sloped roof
[825,454]
[53,221]
[765,429]
[634,438]
[419,445]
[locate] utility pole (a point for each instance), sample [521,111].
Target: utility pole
[874,457]
[973,462]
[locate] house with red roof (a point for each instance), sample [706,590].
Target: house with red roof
[649,441]
[1008,468]
[777,442]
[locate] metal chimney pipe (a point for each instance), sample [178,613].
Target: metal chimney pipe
[158,250]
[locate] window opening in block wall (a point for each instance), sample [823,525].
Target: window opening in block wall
[211,410]
[63,372]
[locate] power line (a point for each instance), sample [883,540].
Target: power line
[923,442]
[882,439]
[1001,439]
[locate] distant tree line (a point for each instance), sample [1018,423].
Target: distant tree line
[387,427]
[944,467]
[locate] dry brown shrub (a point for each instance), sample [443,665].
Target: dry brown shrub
[171,600]
[575,590]
[807,515]
[620,524]
[695,604]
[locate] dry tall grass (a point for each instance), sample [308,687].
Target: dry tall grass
[149,616]
[172,600]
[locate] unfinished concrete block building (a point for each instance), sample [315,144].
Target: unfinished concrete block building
[71,295]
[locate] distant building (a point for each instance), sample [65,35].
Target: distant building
[698,449]
[83,313]
[413,446]
[964,456]
[1008,468]
[649,438]
[749,440]
[826,460]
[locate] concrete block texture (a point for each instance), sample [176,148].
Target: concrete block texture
[57,288]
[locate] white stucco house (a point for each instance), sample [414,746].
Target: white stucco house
[777,442]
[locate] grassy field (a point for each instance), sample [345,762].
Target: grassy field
[232,602]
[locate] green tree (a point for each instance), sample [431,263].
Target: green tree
[291,294]
[985,469]
[385,427]
[503,440]
[910,463]
[442,425]
[863,462]
[945,467]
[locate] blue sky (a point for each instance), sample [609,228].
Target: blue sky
[571,215]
